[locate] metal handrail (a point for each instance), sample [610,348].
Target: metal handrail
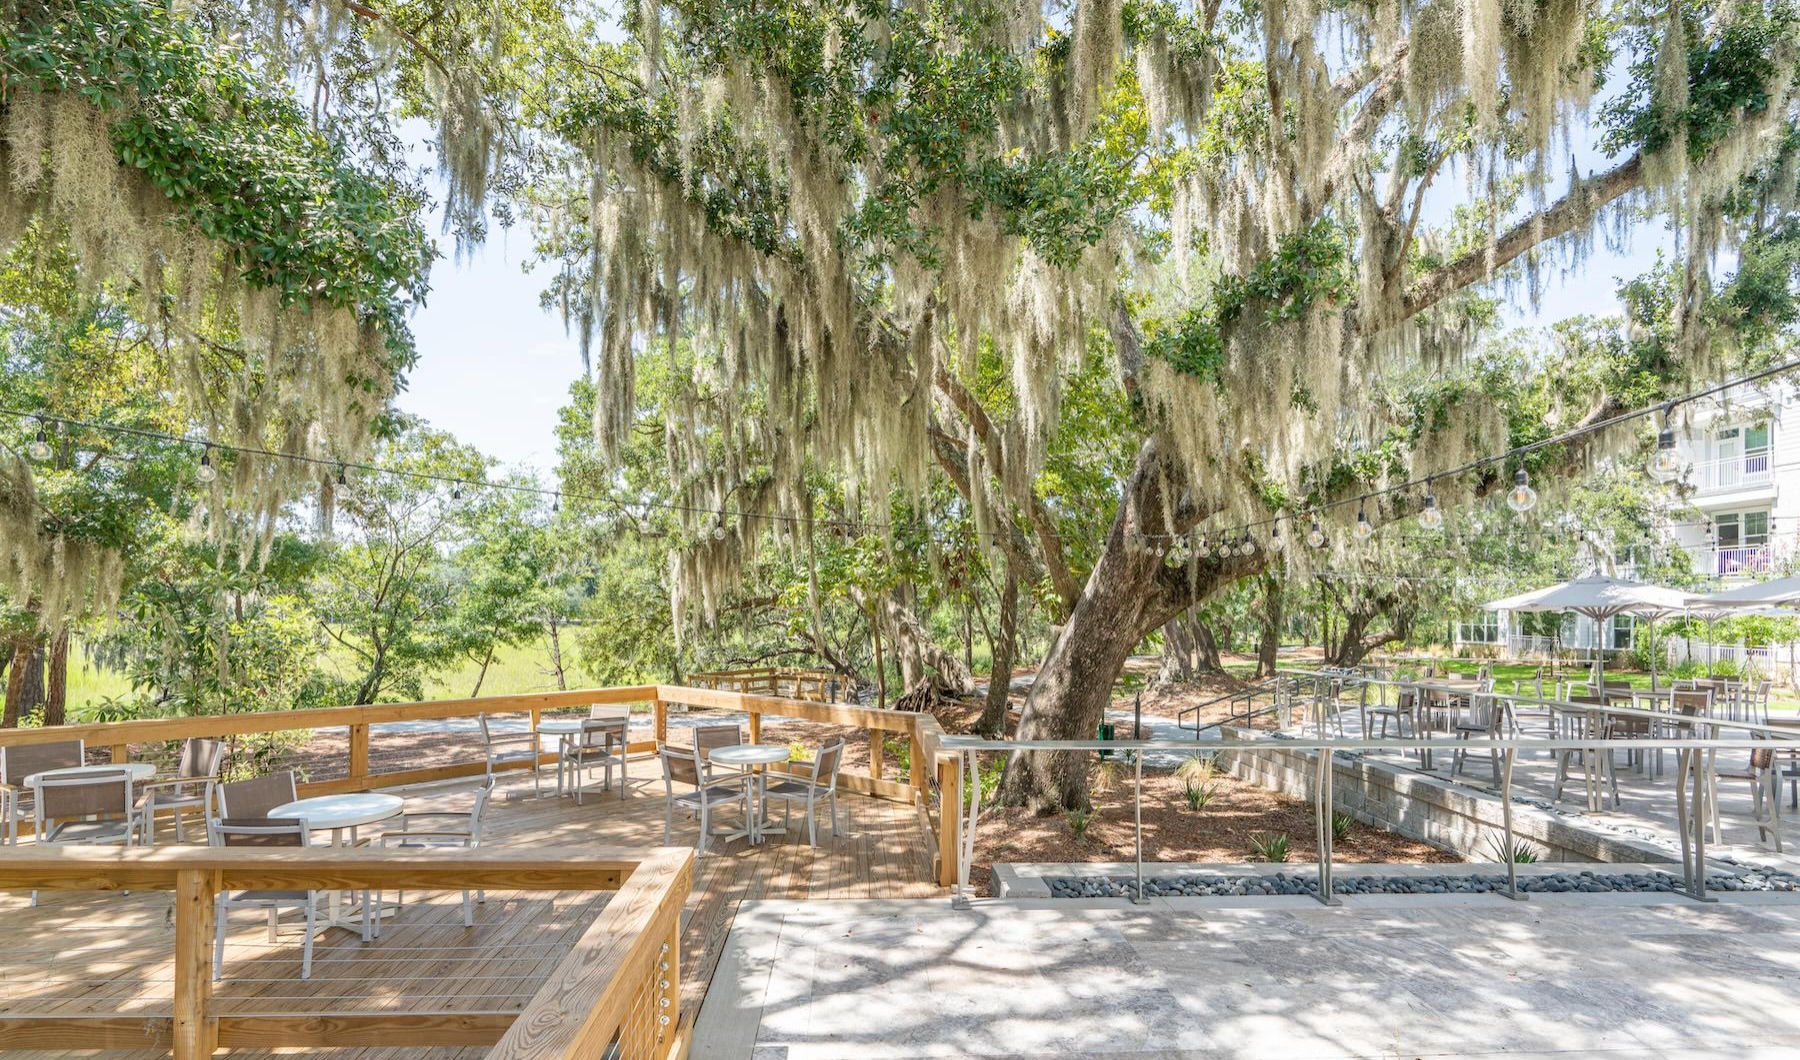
[1694,765]
[1247,693]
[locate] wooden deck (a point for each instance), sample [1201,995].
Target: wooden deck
[81,953]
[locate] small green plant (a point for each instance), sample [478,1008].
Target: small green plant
[1197,787]
[1519,854]
[1108,774]
[1267,847]
[796,751]
[902,752]
[1079,820]
[988,776]
[1341,824]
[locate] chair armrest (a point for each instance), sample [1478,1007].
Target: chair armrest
[407,818]
[512,737]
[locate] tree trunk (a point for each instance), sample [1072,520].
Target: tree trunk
[880,663]
[1178,652]
[1269,647]
[916,654]
[1206,648]
[487,660]
[1002,646]
[56,683]
[556,659]
[16,673]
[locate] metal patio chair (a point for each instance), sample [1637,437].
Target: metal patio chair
[511,748]
[601,742]
[269,832]
[17,763]
[87,808]
[688,767]
[820,786]
[439,825]
[250,799]
[196,775]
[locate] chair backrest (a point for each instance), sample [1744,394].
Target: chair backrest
[599,732]
[258,832]
[89,795]
[487,735]
[707,737]
[609,712]
[253,799]
[199,758]
[826,762]
[682,766]
[17,763]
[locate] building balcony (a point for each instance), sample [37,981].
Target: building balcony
[1731,474]
[1741,561]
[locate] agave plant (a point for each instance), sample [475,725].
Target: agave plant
[1265,846]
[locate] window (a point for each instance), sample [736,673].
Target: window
[1756,439]
[1484,628]
[1740,529]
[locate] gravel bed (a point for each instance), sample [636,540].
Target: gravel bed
[1483,883]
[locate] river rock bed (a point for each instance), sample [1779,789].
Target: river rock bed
[1212,886]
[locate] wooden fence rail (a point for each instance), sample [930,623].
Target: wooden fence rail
[929,763]
[617,984]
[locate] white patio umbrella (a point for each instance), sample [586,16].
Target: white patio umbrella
[1761,598]
[1600,597]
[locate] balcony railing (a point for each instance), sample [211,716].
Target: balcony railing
[1732,562]
[1734,472]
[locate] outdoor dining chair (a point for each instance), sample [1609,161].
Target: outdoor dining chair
[250,799]
[269,832]
[511,748]
[601,742]
[87,808]
[17,763]
[1765,794]
[810,790]
[438,825]
[1595,763]
[196,775]
[1485,716]
[689,768]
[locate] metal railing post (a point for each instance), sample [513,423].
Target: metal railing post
[1506,822]
[1138,813]
[1322,800]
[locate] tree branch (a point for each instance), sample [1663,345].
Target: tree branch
[1572,211]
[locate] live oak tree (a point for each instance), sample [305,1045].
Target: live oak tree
[849,207]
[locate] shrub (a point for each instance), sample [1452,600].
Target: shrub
[1267,847]
[1079,820]
[1341,823]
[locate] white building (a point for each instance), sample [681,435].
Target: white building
[1740,483]
[1742,461]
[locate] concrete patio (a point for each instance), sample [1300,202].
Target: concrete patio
[1259,979]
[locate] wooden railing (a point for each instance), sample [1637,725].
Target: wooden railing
[921,732]
[617,983]
[792,682]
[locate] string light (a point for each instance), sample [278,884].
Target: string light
[1521,497]
[206,473]
[1364,529]
[1430,517]
[1204,548]
[1664,464]
[1276,542]
[40,446]
[1316,536]
[1247,546]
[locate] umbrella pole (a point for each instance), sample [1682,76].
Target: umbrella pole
[1652,623]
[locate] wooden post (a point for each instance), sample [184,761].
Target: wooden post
[876,766]
[917,769]
[659,711]
[755,726]
[121,754]
[359,752]
[949,822]
[196,1034]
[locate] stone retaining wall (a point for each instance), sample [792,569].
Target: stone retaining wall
[1451,817]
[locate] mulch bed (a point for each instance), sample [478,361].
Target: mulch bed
[1172,832]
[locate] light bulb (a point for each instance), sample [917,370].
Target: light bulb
[1431,517]
[1247,547]
[456,493]
[1521,497]
[1316,536]
[719,532]
[1664,464]
[40,446]
[206,472]
[1276,541]
[1204,548]
[1364,529]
